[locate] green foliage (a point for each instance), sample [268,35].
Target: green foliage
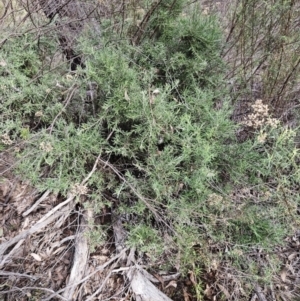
[146,239]
[187,52]
[173,163]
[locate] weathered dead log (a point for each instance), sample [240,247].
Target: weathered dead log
[80,258]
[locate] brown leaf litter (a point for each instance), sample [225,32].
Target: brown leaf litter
[39,264]
[44,249]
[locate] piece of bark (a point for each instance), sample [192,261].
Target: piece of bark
[80,258]
[143,289]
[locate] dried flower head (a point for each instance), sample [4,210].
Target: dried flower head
[69,77]
[205,11]
[214,199]
[39,114]
[261,138]
[46,147]
[156,92]
[79,189]
[153,95]
[5,139]
[260,116]
[273,122]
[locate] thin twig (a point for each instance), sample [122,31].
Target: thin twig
[6,273]
[54,294]
[92,171]
[41,199]
[102,284]
[69,97]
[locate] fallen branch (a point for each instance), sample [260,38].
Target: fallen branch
[41,199]
[98,291]
[143,288]
[27,288]
[80,257]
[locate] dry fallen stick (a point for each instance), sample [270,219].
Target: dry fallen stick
[81,248]
[98,291]
[170,277]
[11,253]
[41,199]
[5,273]
[80,257]
[143,288]
[164,278]
[35,288]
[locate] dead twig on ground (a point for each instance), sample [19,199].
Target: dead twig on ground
[80,257]
[20,237]
[28,288]
[6,273]
[143,288]
[35,205]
